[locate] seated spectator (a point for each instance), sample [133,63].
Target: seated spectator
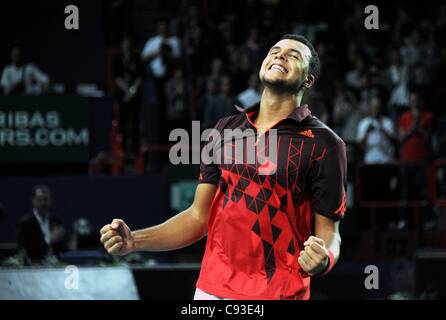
[22,78]
[376,135]
[40,234]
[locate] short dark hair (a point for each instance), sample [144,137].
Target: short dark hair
[42,187]
[314,67]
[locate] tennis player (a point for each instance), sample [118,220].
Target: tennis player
[270,227]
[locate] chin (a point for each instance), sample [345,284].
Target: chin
[279,85]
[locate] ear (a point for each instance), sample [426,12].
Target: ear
[309,81]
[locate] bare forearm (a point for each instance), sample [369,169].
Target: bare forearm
[332,242]
[179,231]
[330,234]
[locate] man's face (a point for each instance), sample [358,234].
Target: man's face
[41,201]
[285,65]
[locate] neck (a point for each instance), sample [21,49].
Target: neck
[275,106]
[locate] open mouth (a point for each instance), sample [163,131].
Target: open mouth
[278,67]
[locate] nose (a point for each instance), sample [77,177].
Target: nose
[280,55]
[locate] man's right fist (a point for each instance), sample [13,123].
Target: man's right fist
[117,238]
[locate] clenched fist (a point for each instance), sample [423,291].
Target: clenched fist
[117,238]
[314,258]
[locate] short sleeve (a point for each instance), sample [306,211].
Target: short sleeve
[210,172]
[329,182]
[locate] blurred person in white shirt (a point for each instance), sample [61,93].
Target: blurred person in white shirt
[159,49]
[21,78]
[376,135]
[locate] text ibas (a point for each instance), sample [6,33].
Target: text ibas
[23,128]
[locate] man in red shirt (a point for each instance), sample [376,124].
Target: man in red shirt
[270,225]
[415,128]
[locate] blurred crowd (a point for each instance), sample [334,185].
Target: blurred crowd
[381,90]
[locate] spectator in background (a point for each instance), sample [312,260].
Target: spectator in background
[411,51]
[415,131]
[415,128]
[22,78]
[396,78]
[128,80]
[376,135]
[418,55]
[253,47]
[40,234]
[216,72]
[251,95]
[353,77]
[177,108]
[344,111]
[161,51]
[220,106]
[366,93]
[239,67]
[196,46]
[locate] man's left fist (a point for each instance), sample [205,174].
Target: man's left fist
[314,258]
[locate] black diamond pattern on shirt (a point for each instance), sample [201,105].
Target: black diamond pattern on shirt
[276,232]
[256,228]
[291,249]
[270,264]
[248,175]
[272,211]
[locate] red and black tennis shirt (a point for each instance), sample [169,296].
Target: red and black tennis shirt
[258,223]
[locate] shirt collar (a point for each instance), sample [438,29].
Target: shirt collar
[298,114]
